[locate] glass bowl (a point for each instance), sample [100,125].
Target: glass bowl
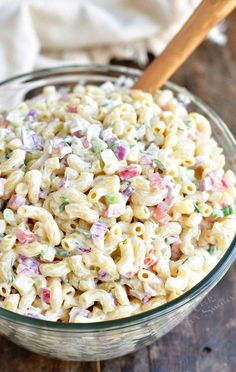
[110,339]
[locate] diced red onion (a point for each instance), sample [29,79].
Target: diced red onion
[111,141]
[102,275]
[206,184]
[98,230]
[33,114]
[26,264]
[82,250]
[114,210]
[107,135]
[38,142]
[23,259]
[128,191]
[145,298]
[21,269]
[64,182]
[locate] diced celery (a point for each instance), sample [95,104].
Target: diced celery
[113,198]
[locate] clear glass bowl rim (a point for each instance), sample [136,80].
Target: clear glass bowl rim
[185,299]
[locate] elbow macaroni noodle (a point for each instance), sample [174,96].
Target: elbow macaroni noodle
[112,202]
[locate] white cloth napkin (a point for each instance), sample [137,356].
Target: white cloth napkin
[40,33]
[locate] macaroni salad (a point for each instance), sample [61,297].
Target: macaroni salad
[113,201]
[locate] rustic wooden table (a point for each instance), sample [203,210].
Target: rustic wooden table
[206,340]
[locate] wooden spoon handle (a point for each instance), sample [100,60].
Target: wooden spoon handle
[206,16]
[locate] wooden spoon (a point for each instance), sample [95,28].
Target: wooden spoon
[206,16]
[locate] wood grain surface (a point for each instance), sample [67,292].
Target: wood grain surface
[206,16]
[206,340]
